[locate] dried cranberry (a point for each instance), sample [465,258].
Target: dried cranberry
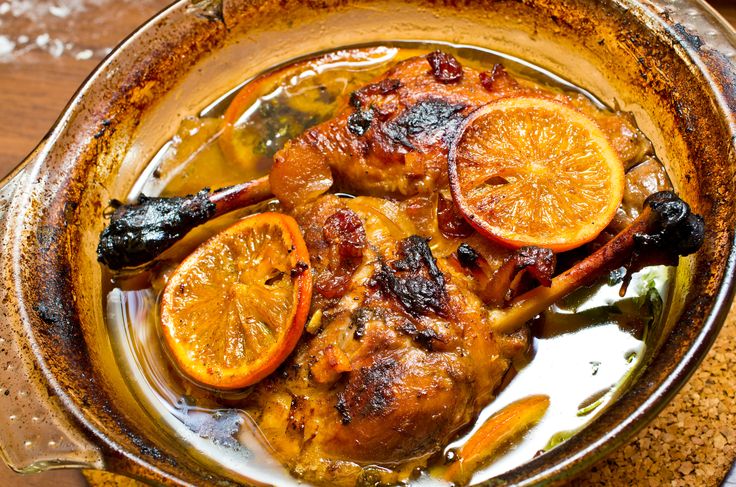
[345,235]
[359,97]
[497,79]
[445,68]
[345,230]
[467,256]
[450,221]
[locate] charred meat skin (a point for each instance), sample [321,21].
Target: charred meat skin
[359,122]
[345,236]
[401,404]
[390,139]
[424,123]
[415,281]
[137,233]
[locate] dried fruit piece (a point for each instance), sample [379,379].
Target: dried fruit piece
[450,221]
[359,97]
[498,80]
[345,238]
[445,68]
[538,262]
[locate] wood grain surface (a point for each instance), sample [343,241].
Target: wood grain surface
[47,48]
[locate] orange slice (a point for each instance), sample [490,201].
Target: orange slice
[237,150]
[534,171]
[499,430]
[313,92]
[236,307]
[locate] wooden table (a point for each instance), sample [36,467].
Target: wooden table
[48,48]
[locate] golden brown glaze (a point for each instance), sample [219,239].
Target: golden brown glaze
[403,359]
[403,356]
[391,137]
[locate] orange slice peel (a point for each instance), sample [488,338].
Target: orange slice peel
[529,170]
[235,308]
[504,427]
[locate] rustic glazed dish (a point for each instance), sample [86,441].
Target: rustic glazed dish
[65,403]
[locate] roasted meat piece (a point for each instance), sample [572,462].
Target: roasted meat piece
[403,359]
[391,137]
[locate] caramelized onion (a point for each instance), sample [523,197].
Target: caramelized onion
[537,262]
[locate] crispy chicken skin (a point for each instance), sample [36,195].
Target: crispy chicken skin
[391,137]
[403,359]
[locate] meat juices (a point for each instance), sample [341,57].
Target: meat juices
[403,357]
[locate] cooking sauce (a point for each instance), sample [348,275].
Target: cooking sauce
[584,348]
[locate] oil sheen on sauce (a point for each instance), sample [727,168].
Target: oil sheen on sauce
[584,348]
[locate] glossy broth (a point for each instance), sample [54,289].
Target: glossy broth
[584,347]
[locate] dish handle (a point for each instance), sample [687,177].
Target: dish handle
[35,432]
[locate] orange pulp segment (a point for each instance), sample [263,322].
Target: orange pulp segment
[236,307]
[533,171]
